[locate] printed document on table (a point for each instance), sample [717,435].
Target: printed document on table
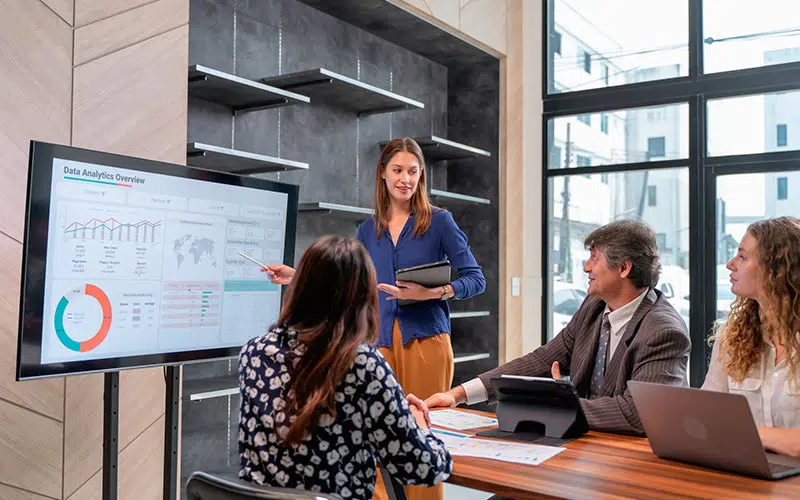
[459,420]
[518,453]
[450,439]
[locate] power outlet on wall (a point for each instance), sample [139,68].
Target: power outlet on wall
[515,286]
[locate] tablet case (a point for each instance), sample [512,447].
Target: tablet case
[538,410]
[428,275]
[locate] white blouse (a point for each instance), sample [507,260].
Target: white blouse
[773,401]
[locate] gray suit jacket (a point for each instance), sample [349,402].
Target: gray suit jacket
[654,348]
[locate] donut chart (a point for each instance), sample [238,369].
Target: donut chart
[105,326]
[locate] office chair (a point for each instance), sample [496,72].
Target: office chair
[204,486]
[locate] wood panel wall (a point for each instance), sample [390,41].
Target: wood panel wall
[484,21]
[108,75]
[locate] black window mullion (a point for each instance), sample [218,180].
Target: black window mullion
[547,133]
[749,81]
[695,39]
[615,168]
[770,161]
[701,213]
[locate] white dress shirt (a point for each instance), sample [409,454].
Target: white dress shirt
[619,319]
[773,401]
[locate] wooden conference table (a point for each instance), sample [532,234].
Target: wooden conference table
[601,465]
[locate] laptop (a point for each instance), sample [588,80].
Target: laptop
[712,429]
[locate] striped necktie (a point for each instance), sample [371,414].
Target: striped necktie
[600,360]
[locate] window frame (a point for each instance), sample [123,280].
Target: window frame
[696,89]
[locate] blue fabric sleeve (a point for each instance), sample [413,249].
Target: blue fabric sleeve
[360,234]
[411,455]
[470,280]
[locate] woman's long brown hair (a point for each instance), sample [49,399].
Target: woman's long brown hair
[333,304]
[420,203]
[778,258]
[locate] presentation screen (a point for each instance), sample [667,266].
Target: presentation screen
[130,262]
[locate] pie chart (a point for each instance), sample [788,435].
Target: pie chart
[61,312]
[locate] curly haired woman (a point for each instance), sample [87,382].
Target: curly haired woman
[757,350]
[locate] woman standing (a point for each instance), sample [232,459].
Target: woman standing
[757,350]
[406,231]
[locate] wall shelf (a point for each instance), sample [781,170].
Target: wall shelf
[208,388]
[448,198]
[335,209]
[436,148]
[240,94]
[345,92]
[463,358]
[468,314]
[235,161]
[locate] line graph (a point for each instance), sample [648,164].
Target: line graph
[110,229]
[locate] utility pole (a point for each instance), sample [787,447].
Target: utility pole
[563,240]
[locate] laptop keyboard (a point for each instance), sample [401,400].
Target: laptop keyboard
[778,468]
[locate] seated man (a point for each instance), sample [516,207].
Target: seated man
[624,330]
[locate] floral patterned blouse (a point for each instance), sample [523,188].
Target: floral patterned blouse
[372,424]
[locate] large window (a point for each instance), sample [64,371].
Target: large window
[624,136]
[746,34]
[694,105]
[629,40]
[747,198]
[755,123]
[580,204]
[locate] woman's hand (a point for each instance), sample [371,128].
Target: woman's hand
[279,273]
[420,411]
[408,290]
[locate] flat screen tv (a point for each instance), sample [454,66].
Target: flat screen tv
[130,262]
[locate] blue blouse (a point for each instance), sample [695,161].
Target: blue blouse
[442,240]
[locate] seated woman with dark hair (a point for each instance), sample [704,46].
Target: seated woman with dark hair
[320,405]
[757,350]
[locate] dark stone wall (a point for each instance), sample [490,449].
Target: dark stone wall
[474,119]
[261,38]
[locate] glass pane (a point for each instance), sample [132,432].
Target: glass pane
[740,34]
[622,136]
[595,200]
[592,45]
[741,200]
[754,124]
